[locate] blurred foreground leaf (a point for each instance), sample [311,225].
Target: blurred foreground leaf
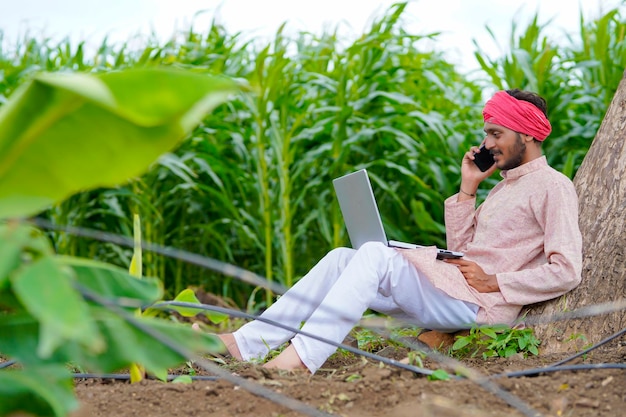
[47,293]
[62,133]
[46,391]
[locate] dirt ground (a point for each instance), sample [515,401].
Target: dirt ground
[352,386]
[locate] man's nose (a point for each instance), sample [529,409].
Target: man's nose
[489,143]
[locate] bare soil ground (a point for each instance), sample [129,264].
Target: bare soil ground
[352,386]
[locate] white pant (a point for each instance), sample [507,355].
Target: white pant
[333,296]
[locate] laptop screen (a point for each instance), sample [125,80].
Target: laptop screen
[359,209]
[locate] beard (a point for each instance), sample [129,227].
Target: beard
[517,152]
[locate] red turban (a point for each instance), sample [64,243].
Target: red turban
[518,115]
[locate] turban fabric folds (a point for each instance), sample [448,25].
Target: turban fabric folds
[518,115]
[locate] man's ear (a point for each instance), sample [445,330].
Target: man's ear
[528,138]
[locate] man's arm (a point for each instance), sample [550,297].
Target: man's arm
[459,209]
[558,215]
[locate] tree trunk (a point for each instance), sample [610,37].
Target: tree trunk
[601,186]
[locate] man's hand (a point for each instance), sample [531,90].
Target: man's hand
[475,276]
[471,176]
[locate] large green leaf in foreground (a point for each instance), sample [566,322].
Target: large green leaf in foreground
[64,133]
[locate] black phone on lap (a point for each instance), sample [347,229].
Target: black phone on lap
[483,159]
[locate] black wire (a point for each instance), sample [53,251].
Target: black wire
[585,351]
[126,377]
[7,364]
[168,251]
[538,371]
[479,379]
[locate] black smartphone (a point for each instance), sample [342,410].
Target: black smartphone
[483,159]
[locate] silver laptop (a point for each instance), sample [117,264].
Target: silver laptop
[361,215]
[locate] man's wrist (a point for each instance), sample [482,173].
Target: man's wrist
[466,193]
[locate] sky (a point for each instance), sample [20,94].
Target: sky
[459,21]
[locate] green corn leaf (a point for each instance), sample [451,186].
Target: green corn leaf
[188,296]
[65,132]
[136,262]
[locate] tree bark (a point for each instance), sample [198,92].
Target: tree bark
[601,186]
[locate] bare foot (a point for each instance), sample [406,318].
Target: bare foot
[227,339]
[231,344]
[287,360]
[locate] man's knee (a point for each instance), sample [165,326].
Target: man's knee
[373,248]
[341,256]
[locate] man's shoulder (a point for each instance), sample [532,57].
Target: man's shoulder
[552,184]
[550,175]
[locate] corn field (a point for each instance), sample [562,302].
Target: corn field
[252,185]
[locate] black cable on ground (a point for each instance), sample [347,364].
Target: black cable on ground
[7,364]
[171,252]
[580,367]
[126,377]
[585,351]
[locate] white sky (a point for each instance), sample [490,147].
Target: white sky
[459,20]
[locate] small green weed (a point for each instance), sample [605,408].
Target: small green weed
[353,378]
[416,358]
[439,375]
[493,341]
[189,369]
[371,341]
[580,342]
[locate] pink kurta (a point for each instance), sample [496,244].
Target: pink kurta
[526,232]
